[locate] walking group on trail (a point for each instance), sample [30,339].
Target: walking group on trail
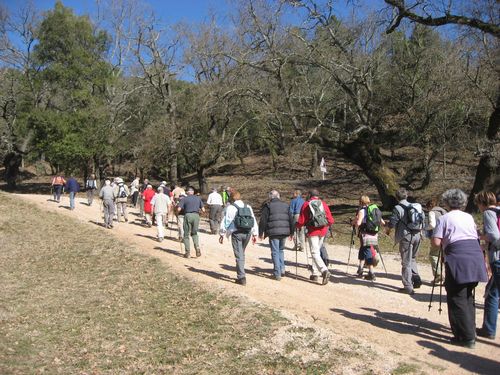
[454,236]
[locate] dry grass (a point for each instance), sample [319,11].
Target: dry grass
[76,300]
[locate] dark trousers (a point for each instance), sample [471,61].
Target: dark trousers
[134,198]
[461,309]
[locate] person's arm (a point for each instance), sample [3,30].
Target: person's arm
[491,232]
[304,216]
[264,217]
[436,241]
[360,215]
[432,220]
[393,220]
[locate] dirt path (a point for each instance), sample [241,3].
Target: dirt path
[397,326]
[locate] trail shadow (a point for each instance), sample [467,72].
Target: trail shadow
[213,274]
[65,207]
[170,251]
[102,225]
[353,280]
[147,236]
[257,271]
[400,323]
[467,361]
[86,204]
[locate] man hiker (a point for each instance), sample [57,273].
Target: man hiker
[108,197]
[408,220]
[58,183]
[72,187]
[315,215]
[276,222]
[160,204]
[121,197]
[191,204]
[90,187]
[180,217]
[295,206]
[147,196]
[142,188]
[176,193]
[134,190]
[239,223]
[214,201]
[226,195]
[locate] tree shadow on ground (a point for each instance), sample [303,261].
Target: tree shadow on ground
[29,188]
[465,360]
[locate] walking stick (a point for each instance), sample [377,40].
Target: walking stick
[296,256]
[350,248]
[440,289]
[382,259]
[434,284]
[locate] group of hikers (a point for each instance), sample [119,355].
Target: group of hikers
[454,237]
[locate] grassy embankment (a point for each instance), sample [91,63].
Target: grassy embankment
[76,300]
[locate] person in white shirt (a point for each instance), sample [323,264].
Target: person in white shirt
[240,237]
[214,201]
[160,205]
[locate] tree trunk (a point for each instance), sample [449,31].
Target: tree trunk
[488,169]
[202,180]
[367,156]
[173,168]
[12,162]
[314,161]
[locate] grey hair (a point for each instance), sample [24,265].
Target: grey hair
[160,189]
[274,194]
[454,198]
[401,194]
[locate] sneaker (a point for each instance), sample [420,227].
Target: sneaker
[325,277]
[404,290]
[277,278]
[481,332]
[242,281]
[186,255]
[198,253]
[359,272]
[160,239]
[313,278]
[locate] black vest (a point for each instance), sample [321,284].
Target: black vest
[278,222]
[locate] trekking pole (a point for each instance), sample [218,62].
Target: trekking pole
[434,284]
[296,254]
[382,259]
[350,248]
[440,288]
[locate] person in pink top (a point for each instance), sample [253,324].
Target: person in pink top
[316,233]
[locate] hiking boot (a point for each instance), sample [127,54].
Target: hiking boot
[470,344]
[370,276]
[242,281]
[277,277]
[198,252]
[313,277]
[359,272]
[481,332]
[160,239]
[186,255]
[325,277]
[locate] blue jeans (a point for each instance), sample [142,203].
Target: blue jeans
[240,242]
[72,200]
[492,300]
[278,255]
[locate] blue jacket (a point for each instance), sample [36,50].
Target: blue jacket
[296,205]
[72,186]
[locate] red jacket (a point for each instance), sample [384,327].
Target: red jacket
[305,217]
[147,195]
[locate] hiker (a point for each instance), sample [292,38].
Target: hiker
[90,187]
[177,192]
[226,194]
[434,212]
[134,191]
[166,188]
[408,220]
[214,201]
[239,223]
[295,206]
[368,222]
[486,202]
[147,196]
[457,235]
[72,187]
[160,205]
[142,188]
[58,183]
[315,215]
[180,217]
[276,222]
[121,196]
[107,195]
[191,204]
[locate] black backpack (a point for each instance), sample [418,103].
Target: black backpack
[122,193]
[243,221]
